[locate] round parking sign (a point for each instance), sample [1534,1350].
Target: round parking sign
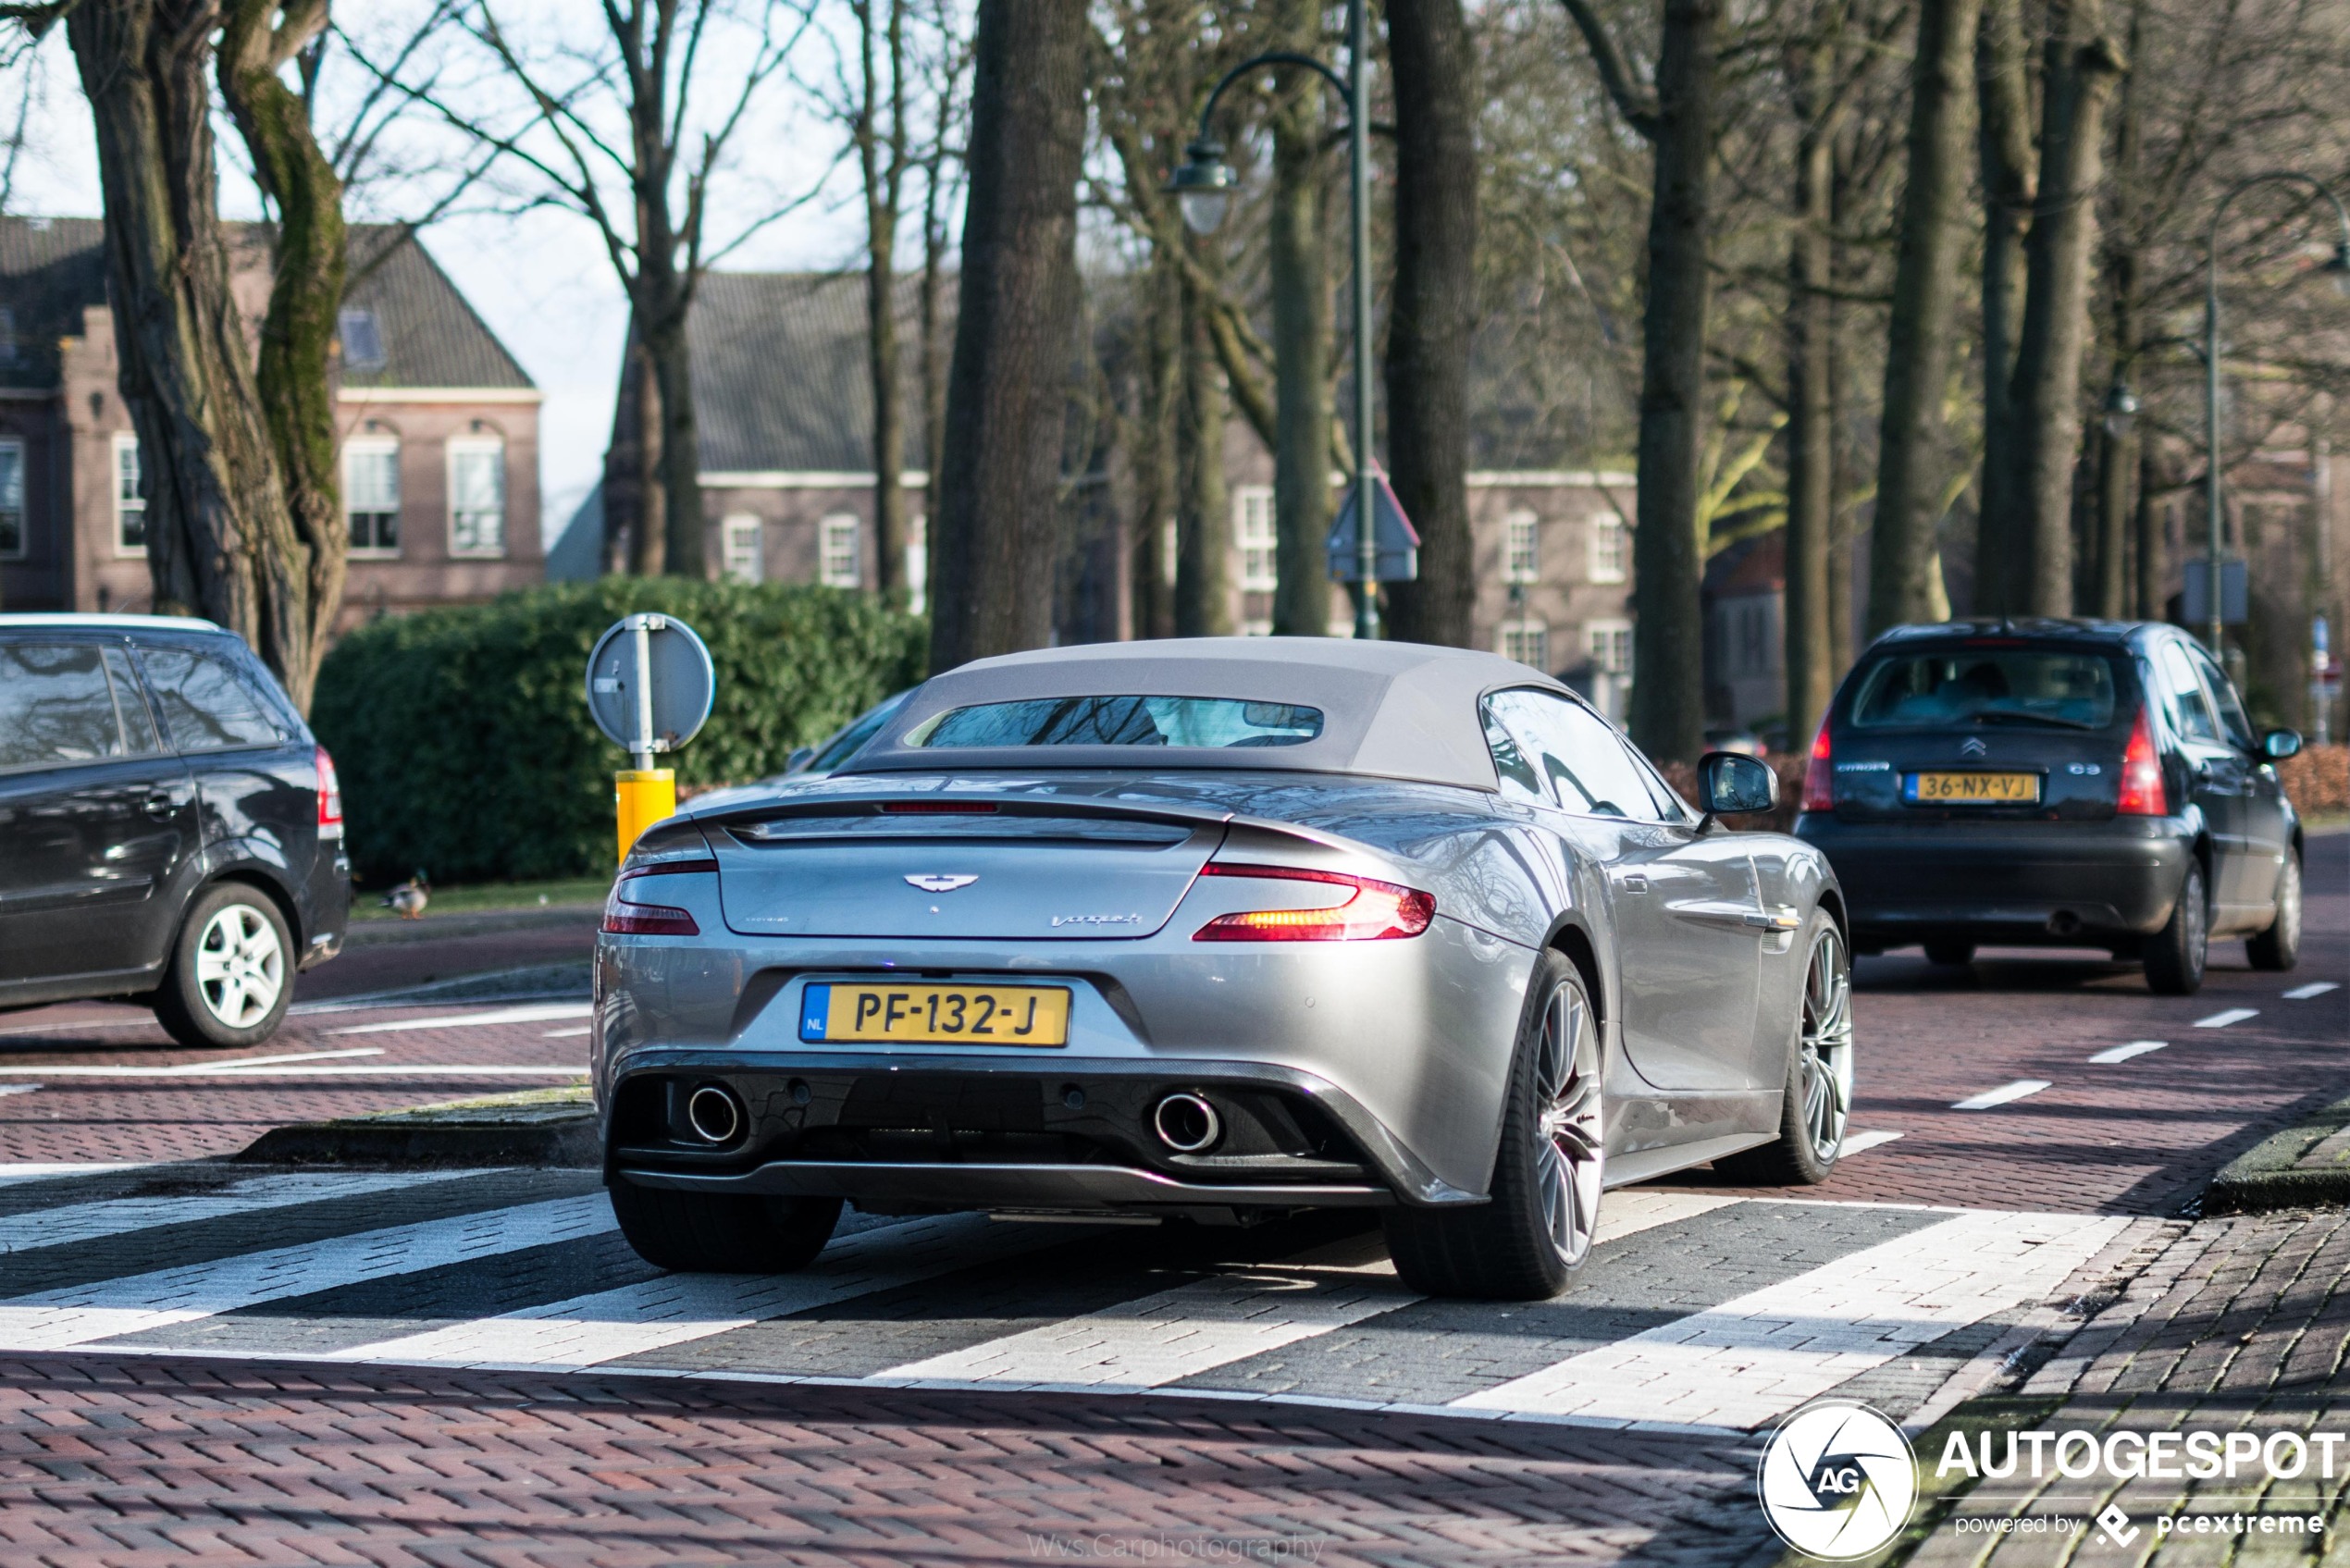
[1837,1481]
[650,683]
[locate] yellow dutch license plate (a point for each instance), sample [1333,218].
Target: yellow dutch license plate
[936,1015]
[1973,789]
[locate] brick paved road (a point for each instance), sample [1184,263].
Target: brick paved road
[220,1365]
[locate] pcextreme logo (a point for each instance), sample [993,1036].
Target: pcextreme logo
[1837,1481]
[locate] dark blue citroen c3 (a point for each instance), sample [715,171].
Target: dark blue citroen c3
[2078,783]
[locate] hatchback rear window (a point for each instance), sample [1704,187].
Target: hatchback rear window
[1986,685]
[1212,721]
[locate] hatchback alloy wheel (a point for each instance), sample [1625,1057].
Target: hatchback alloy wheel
[1826,1045]
[240,966]
[1573,1155]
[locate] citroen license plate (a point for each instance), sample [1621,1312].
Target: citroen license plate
[936,1015]
[1971,790]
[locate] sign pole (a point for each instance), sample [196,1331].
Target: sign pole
[649,687]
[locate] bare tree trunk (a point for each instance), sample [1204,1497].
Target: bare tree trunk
[1433,312]
[1810,427]
[1203,527]
[2153,567]
[1157,464]
[1298,261]
[997,480]
[298,334]
[220,535]
[2118,455]
[635,534]
[881,156]
[2004,94]
[1903,550]
[2080,71]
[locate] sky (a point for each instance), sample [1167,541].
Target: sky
[539,275]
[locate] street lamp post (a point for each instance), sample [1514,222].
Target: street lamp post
[1203,188]
[2338,268]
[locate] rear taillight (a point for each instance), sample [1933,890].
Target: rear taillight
[1375,912]
[2142,791]
[1819,778]
[626,917]
[329,798]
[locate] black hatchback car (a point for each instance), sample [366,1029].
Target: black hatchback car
[169,830]
[2081,784]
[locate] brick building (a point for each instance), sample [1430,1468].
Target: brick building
[440,429]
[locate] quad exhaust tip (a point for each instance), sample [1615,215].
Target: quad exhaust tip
[713,1114]
[1186,1123]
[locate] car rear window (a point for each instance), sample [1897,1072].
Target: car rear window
[1986,685]
[208,703]
[1121,720]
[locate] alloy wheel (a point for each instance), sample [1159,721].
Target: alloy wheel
[1826,1045]
[240,966]
[1571,1161]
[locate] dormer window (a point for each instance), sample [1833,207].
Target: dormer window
[363,344]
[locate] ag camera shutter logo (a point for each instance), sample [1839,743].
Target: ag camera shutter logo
[1837,1481]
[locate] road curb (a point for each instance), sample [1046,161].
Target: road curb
[432,928]
[2277,1173]
[537,1126]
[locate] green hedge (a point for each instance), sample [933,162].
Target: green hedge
[463,735]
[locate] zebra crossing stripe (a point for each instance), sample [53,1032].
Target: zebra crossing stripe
[69,1223]
[135,1304]
[1754,1358]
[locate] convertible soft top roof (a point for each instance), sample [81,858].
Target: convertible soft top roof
[1391,709]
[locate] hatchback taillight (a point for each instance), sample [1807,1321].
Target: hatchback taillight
[1376,912]
[2142,793]
[329,798]
[1819,777]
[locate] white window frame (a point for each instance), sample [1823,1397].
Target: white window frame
[124,506]
[742,547]
[376,445]
[24,486]
[840,551]
[1256,537]
[1521,546]
[1609,645]
[1610,545]
[464,445]
[1526,636]
[918,562]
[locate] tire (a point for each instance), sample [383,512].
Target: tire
[723,1232]
[2174,955]
[231,970]
[2279,947]
[1817,1106]
[1949,954]
[1537,1226]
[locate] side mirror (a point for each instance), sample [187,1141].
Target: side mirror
[2278,745]
[1731,784]
[800,758]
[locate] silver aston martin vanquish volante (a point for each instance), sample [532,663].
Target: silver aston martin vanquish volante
[1219,928]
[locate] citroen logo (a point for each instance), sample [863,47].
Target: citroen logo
[934,882]
[1972,746]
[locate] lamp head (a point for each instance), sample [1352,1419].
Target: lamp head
[2120,410]
[1203,187]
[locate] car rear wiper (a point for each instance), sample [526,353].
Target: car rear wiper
[2018,716]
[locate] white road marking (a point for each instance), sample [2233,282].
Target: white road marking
[2123,1053]
[675,1308]
[1861,1143]
[34,1171]
[114,1217]
[2315,988]
[195,1070]
[569,1033]
[2221,1020]
[2019,1089]
[144,1021]
[1749,1360]
[19,1088]
[134,1304]
[539,1012]
[1630,1210]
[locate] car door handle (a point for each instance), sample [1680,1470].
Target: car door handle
[161,803]
[1773,919]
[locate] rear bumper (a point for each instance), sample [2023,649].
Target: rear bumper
[1007,1132]
[2060,883]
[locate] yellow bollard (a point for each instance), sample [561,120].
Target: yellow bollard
[643,795]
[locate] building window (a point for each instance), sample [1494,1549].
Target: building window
[1522,549]
[742,536]
[1607,549]
[917,562]
[371,494]
[11,501]
[1610,646]
[1253,531]
[838,565]
[363,344]
[7,335]
[477,497]
[1529,642]
[130,499]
